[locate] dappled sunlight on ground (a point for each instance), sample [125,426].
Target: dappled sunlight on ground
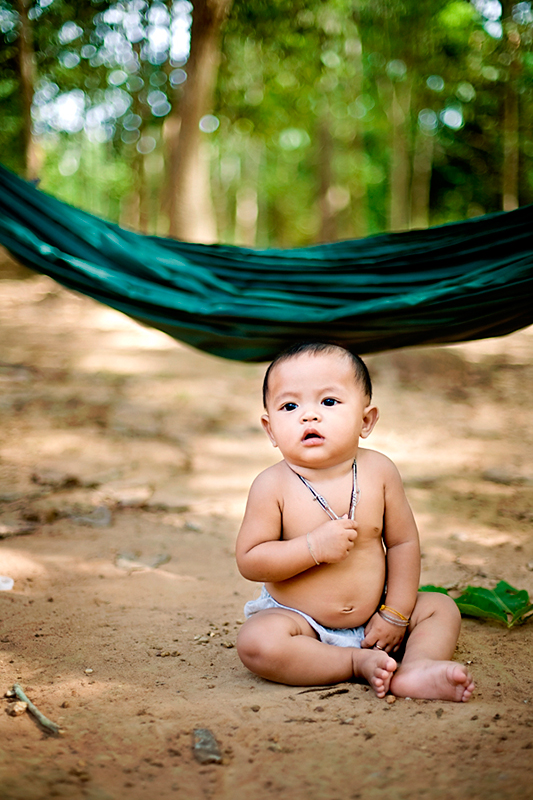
[20,566]
[125,462]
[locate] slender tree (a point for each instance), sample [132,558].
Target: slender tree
[26,60]
[190,208]
[510,117]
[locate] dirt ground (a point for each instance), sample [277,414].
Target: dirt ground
[125,461]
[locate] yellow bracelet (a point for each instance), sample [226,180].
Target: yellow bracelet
[393,611]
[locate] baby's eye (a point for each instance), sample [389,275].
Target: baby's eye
[329,401]
[289,407]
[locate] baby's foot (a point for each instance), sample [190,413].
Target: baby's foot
[433,680]
[376,667]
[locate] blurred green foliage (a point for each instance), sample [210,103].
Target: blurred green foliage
[336,118]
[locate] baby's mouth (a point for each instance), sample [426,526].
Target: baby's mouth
[311,435]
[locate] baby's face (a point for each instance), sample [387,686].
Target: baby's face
[316,410]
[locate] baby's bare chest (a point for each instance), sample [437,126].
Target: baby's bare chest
[301,513]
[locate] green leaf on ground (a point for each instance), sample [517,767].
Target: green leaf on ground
[503,604]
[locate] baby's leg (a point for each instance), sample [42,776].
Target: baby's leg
[281,645]
[426,670]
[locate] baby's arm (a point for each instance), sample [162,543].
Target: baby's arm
[403,564]
[262,555]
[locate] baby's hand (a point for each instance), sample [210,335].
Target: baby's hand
[332,541]
[383,635]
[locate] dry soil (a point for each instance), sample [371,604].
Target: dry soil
[125,460]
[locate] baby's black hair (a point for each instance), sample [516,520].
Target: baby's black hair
[362,374]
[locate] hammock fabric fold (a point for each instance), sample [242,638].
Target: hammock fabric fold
[453,283]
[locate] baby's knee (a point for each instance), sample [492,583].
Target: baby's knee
[430,603]
[248,642]
[253,645]
[448,606]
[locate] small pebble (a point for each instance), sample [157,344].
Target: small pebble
[205,747]
[18,708]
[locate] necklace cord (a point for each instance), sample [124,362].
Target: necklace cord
[354,499]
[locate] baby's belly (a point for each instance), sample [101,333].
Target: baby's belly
[342,595]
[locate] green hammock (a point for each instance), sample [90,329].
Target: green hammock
[453,283]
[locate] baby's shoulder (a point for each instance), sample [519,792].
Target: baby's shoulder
[271,479]
[267,490]
[377,463]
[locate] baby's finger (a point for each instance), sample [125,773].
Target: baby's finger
[348,524]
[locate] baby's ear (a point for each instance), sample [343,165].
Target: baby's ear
[370,417]
[265,422]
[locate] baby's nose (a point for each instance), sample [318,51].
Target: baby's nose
[310,415]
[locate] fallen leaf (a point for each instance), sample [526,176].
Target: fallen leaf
[503,604]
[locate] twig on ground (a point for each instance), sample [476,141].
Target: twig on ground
[321,689]
[18,529]
[44,721]
[332,693]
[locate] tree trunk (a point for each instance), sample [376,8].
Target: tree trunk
[27,82]
[399,165]
[247,196]
[328,228]
[170,135]
[421,180]
[510,149]
[246,212]
[190,208]
[510,116]
[358,193]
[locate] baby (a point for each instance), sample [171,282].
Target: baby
[329,532]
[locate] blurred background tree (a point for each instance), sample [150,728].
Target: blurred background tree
[275,123]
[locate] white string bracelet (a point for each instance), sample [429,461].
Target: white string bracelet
[311,550]
[393,611]
[392,620]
